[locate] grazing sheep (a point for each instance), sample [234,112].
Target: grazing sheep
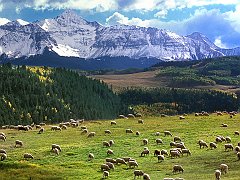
[219,114]
[106,144]
[159,141]
[160,158]
[129,131]
[56,128]
[120,161]
[2,151]
[83,127]
[145,141]
[23,128]
[202,144]
[177,168]
[122,117]
[212,145]
[27,156]
[110,160]
[110,165]
[238,155]
[132,164]
[3,134]
[64,127]
[218,174]
[18,143]
[236,133]
[56,146]
[130,116]
[2,137]
[111,142]
[113,123]
[85,131]
[228,139]
[74,125]
[218,139]
[137,133]
[90,156]
[224,125]
[163,115]
[109,151]
[157,134]
[186,151]
[174,153]
[181,117]
[172,144]
[105,174]
[238,143]
[223,168]
[145,152]
[107,132]
[41,131]
[3,156]
[42,124]
[228,146]
[237,149]
[157,152]
[91,134]
[167,133]
[140,121]
[56,151]
[138,115]
[180,145]
[127,159]
[176,138]
[38,127]
[105,167]
[138,173]
[164,152]
[146,177]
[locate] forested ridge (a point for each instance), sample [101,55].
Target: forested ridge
[42,94]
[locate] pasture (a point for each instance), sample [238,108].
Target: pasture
[73,163]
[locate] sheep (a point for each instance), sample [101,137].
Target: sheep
[18,143]
[110,160]
[110,165]
[168,179]
[228,139]
[140,121]
[237,149]
[111,142]
[113,123]
[218,139]
[80,121]
[218,174]
[105,174]
[179,179]
[109,151]
[167,133]
[236,133]
[38,127]
[180,145]
[3,156]
[174,153]
[83,127]
[228,146]
[129,131]
[56,146]
[127,159]
[176,138]
[74,125]
[105,167]
[202,144]
[212,145]
[186,151]
[56,128]
[91,134]
[181,117]
[107,132]
[224,125]
[23,128]
[85,131]
[172,144]
[90,156]
[2,151]
[138,115]
[56,151]
[177,168]
[106,144]
[238,155]
[122,117]
[42,124]
[27,156]
[120,161]
[146,177]
[223,168]
[130,116]
[137,133]
[164,152]
[238,143]
[64,127]
[2,137]
[219,114]
[145,141]
[138,173]
[163,115]
[160,158]
[157,134]
[157,152]
[159,141]
[145,152]
[3,134]
[41,131]
[132,164]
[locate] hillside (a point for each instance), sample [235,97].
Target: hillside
[72,162]
[42,94]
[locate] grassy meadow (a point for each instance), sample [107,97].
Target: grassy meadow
[72,162]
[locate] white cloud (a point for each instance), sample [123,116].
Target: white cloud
[218,42]
[234,18]
[161,14]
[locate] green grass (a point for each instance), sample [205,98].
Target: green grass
[72,163]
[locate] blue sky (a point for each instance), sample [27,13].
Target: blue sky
[219,20]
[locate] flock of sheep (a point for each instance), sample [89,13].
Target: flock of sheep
[178,147]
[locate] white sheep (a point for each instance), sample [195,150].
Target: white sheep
[159,141]
[145,152]
[186,151]
[177,168]
[120,161]
[223,168]
[181,117]
[3,151]
[237,149]
[91,134]
[218,139]
[38,126]
[18,143]
[129,131]
[164,152]
[41,131]
[3,156]
[167,133]
[132,164]
[145,141]
[56,151]
[105,167]
[224,125]
[202,144]
[146,176]
[107,132]
[90,156]
[105,174]
[218,174]
[64,127]
[110,165]
[157,134]
[212,145]
[140,121]
[56,146]
[172,144]
[127,159]
[137,133]
[109,151]
[27,156]
[238,155]
[228,146]
[110,160]
[180,145]
[111,142]
[85,131]
[113,123]
[236,133]
[130,116]
[3,134]
[157,152]
[2,137]
[106,144]
[176,138]
[160,158]
[138,173]
[174,153]
[228,139]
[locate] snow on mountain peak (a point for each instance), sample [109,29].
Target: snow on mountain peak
[4,21]
[22,22]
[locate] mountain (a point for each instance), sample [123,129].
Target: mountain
[69,35]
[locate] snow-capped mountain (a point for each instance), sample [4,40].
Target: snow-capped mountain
[70,35]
